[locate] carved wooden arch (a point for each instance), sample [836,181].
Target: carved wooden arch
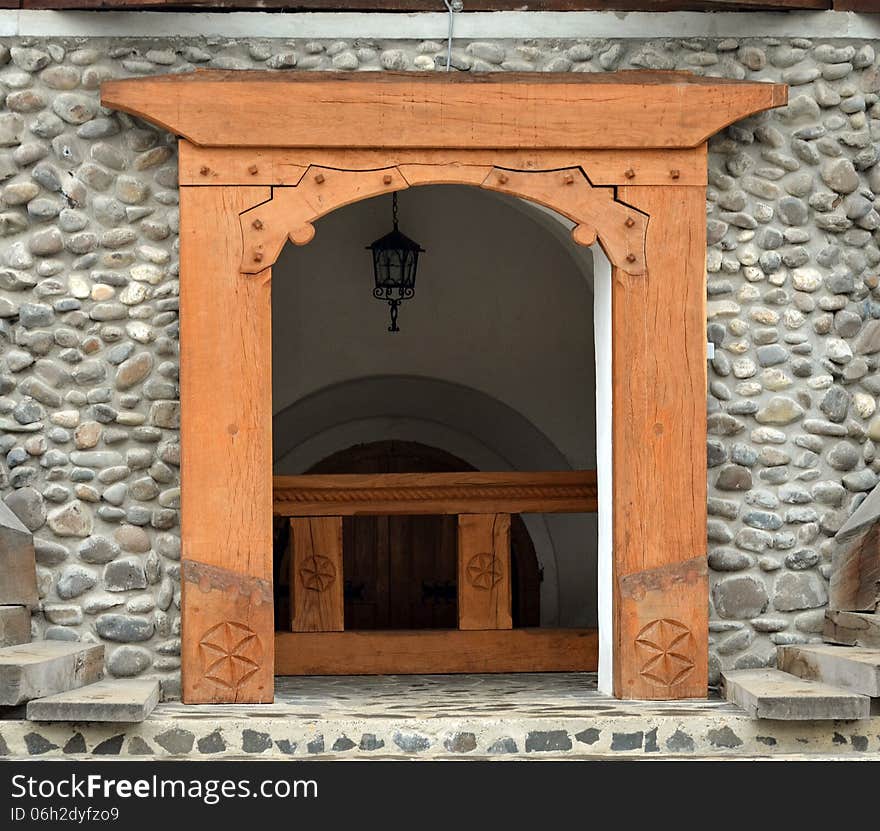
[623,155]
[596,213]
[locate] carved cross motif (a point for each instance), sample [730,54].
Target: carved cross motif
[317,573]
[484,571]
[667,649]
[230,653]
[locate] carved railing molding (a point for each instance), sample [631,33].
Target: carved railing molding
[435,493]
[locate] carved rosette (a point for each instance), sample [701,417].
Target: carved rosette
[230,654]
[317,573]
[484,571]
[666,648]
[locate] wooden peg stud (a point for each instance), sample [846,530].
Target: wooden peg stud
[319,178]
[568,179]
[387,179]
[257,225]
[253,170]
[674,173]
[502,178]
[630,258]
[629,173]
[629,222]
[204,170]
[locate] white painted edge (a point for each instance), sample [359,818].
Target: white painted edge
[604,462]
[433,25]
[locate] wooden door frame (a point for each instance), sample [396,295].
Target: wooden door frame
[621,155]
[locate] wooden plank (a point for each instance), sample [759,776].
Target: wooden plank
[855,573]
[17,561]
[851,668]
[33,670]
[436,651]
[226,453]
[517,492]
[852,628]
[433,110]
[316,574]
[127,700]
[771,693]
[419,5]
[285,166]
[15,625]
[484,584]
[659,490]
[866,6]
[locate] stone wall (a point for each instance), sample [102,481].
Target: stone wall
[88,321]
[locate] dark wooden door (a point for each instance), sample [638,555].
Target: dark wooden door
[400,571]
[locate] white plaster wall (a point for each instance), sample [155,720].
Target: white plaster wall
[478,368]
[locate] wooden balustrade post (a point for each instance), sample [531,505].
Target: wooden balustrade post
[484,589]
[316,578]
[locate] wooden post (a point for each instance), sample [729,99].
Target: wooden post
[226,454]
[316,578]
[484,588]
[659,421]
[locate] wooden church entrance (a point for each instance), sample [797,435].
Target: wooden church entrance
[401,571]
[263,155]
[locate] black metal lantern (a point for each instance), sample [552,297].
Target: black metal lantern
[395,260]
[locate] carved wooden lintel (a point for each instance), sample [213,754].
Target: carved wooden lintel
[596,212]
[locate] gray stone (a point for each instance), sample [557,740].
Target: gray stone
[843,456]
[779,410]
[212,743]
[73,581]
[740,597]
[28,505]
[176,741]
[794,591]
[542,741]
[254,741]
[133,370]
[734,478]
[124,628]
[74,108]
[71,520]
[124,574]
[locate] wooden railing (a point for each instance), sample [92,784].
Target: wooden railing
[436,493]
[485,640]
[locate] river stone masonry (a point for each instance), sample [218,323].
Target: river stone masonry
[89,405]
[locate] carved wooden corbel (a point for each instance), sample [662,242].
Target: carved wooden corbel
[620,230]
[291,211]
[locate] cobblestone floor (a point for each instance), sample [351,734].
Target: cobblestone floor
[538,716]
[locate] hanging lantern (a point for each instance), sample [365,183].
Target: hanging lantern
[395,260]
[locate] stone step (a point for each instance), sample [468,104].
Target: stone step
[774,694]
[121,700]
[852,628]
[853,668]
[18,568]
[15,625]
[34,670]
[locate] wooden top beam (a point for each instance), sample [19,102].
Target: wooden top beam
[419,5]
[381,494]
[218,108]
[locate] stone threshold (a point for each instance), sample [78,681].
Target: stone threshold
[526,716]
